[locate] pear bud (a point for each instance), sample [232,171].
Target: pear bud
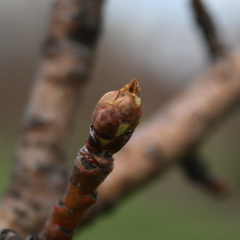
[115,117]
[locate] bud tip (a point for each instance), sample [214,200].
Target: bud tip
[132,87]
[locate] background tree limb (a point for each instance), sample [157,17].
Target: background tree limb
[172,132]
[40,172]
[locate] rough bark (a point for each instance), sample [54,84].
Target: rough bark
[39,174]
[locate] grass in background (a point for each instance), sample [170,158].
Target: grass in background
[169,209]
[174,209]
[6,156]
[169,213]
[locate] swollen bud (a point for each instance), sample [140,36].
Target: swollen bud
[115,117]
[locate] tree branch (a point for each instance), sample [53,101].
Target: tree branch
[39,174]
[207,27]
[172,132]
[194,166]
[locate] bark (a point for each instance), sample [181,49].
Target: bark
[7,234]
[39,174]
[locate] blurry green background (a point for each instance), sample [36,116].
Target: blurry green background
[156,42]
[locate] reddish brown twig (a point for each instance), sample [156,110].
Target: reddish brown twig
[39,175]
[208,29]
[114,120]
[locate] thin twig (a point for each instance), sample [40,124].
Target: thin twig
[198,171]
[114,120]
[208,29]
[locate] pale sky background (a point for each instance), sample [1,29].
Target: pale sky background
[156,31]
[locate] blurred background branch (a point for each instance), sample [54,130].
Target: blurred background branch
[170,43]
[175,132]
[40,171]
[207,27]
